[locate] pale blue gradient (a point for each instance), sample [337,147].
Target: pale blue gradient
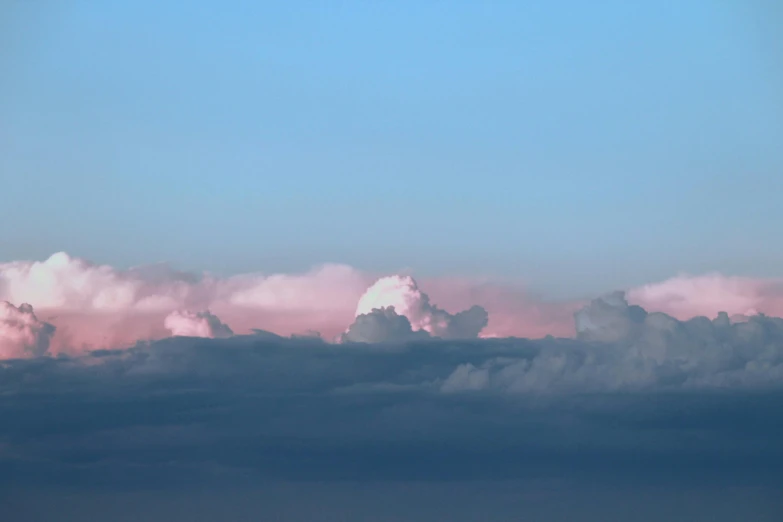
[581,146]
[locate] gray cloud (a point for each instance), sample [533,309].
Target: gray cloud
[382,325]
[638,396]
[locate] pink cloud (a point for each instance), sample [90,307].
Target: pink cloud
[512,310]
[404,295]
[98,306]
[688,296]
[196,324]
[94,306]
[22,334]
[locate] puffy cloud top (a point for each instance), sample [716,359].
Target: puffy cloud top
[99,306]
[65,283]
[196,324]
[402,293]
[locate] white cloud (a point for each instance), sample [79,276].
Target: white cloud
[403,294]
[196,324]
[99,306]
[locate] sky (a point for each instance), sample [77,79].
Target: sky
[576,147]
[364,261]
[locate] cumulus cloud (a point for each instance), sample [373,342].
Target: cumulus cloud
[623,347]
[402,293]
[382,325]
[196,324]
[609,318]
[99,306]
[21,333]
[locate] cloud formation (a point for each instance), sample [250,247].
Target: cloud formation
[184,408]
[382,325]
[196,324]
[636,396]
[402,293]
[21,333]
[98,306]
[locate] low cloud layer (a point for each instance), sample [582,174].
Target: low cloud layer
[637,397]
[252,407]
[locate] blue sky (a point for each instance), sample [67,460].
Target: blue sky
[578,146]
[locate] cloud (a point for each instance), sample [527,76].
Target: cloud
[196,324]
[512,310]
[636,397]
[687,296]
[21,333]
[382,325]
[623,347]
[609,318]
[402,293]
[257,407]
[99,306]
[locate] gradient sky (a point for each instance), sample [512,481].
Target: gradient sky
[579,146]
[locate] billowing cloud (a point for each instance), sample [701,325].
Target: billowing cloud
[21,333]
[608,319]
[382,325]
[402,293]
[196,324]
[623,347]
[512,310]
[99,306]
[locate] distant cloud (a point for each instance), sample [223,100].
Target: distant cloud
[402,293]
[382,325]
[21,333]
[687,296]
[98,306]
[196,324]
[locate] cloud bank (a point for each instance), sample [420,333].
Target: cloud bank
[98,306]
[244,408]
[636,397]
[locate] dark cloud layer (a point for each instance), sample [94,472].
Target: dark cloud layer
[638,398]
